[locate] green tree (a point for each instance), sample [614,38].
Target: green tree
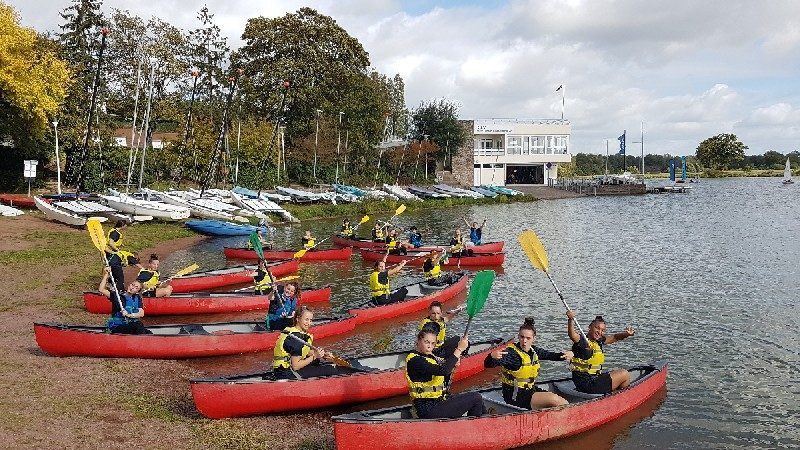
[721,151]
[438,119]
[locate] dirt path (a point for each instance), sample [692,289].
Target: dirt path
[101,403]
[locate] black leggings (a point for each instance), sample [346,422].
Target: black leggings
[309,371]
[452,408]
[279,324]
[396,296]
[134,327]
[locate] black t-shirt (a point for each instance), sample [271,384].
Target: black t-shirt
[512,361]
[114,235]
[292,346]
[144,276]
[383,277]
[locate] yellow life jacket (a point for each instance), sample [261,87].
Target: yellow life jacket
[432,389]
[434,273]
[264,284]
[281,359]
[347,230]
[392,244]
[376,286]
[594,364]
[442,329]
[152,283]
[525,376]
[378,233]
[308,243]
[458,246]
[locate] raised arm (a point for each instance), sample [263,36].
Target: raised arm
[466,222]
[573,334]
[394,270]
[628,332]
[103,288]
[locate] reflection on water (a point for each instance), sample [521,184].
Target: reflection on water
[709,279]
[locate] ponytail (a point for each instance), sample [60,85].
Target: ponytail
[528,324]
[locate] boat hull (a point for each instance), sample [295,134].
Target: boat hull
[59,215]
[340,241]
[201,302]
[226,277]
[135,207]
[219,398]
[413,259]
[64,340]
[17,200]
[333,254]
[220,228]
[498,431]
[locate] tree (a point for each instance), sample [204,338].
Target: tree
[33,80]
[438,119]
[721,151]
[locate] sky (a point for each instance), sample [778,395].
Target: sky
[689,70]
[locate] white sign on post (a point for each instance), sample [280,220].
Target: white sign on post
[30,168]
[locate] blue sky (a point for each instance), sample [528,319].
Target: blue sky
[689,69]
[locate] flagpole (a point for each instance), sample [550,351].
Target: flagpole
[562,101]
[624,152]
[606,156]
[642,142]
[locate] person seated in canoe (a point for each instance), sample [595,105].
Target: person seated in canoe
[437,323]
[124,321]
[116,257]
[265,244]
[308,240]
[426,374]
[475,231]
[432,268]
[395,246]
[293,360]
[414,237]
[347,230]
[263,279]
[457,247]
[282,306]
[588,362]
[377,234]
[520,363]
[149,279]
[379,283]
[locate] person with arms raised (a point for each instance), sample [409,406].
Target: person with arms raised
[379,283]
[282,306]
[475,231]
[587,365]
[149,278]
[126,309]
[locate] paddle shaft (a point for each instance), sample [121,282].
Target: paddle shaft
[561,296]
[334,358]
[113,281]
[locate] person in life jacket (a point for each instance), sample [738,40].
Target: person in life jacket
[520,363]
[263,279]
[379,284]
[426,376]
[149,278]
[377,234]
[414,237]
[587,365]
[457,248]
[294,360]
[347,229]
[308,240]
[395,246]
[475,231]
[282,306]
[116,257]
[125,320]
[265,244]
[432,268]
[436,322]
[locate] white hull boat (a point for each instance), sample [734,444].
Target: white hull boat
[10,211]
[400,192]
[456,192]
[261,207]
[59,214]
[129,205]
[198,207]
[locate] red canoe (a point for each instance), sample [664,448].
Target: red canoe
[171,341]
[201,302]
[505,426]
[201,281]
[416,258]
[377,376]
[488,247]
[17,200]
[331,254]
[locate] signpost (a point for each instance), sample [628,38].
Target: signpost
[29,172]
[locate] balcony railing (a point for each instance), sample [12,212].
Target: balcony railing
[489,151]
[517,152]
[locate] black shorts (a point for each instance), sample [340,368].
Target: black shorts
[593,384]
[523,398]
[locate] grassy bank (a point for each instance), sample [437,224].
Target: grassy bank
[325,211]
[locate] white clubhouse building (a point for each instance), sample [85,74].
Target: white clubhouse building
[519,151]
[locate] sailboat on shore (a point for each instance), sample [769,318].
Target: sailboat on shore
[787,173]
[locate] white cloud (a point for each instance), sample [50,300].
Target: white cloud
[688,69]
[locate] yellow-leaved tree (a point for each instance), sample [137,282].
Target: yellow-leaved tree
[33,80]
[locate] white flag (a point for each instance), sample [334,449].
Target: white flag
[561,86]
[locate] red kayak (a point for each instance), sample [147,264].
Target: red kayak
[228,338]
[417,258]
[201,302]
[201,281]
[505,426]
[331,254]
[372,377]
[172,341]
[489,247]
[17,200]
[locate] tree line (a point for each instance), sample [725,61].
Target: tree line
[299,91]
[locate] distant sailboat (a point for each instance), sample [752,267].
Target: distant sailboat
[787,173]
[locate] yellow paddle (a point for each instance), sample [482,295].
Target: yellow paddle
[300,253]
[537,255]
[98,237]
[185,271]
[400,209]
[330,356]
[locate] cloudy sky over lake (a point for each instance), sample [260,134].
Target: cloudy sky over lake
[688,69]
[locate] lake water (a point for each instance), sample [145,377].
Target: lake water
[709,279]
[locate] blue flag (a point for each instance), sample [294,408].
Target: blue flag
[621,140]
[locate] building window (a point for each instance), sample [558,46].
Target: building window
[537,145]
[514,145]
[486,143]
[476,166]
[121,141]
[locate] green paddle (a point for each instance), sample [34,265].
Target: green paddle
[255,242]
[478,293]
